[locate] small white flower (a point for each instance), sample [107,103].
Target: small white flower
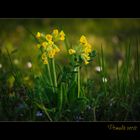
[29,65]
[16,61]
[98,69]
[120,62]
[104,79]
[0,66]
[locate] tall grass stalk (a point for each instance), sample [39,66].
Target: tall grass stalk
[42,107]
[78,78]
[94,112]
[102,65]
[54,74]
[50,77]
[12,67]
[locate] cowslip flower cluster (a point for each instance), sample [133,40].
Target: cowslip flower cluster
[47,44]
[83,50]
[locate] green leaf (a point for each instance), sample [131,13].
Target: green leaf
[43,108]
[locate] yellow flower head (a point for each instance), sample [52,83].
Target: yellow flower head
[83,40]
[87,50]
[86,62]
[44,44]
[45,61]
[38,35]
[85,57]
[51,53]
[62,35]
[50,43]
[55,32]
[72,51]
[48,37]
[88,46]
[44,56]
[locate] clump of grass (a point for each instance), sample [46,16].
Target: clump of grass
[117,99]
[60,87]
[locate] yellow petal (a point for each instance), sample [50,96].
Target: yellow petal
[72,51]
[83,40]
[62,35]
[45,61]
[86,62]
[38,35]
[44,56]
[55,32]
[49,37]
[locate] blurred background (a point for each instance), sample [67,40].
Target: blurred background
[112,34]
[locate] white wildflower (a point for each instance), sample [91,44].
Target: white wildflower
[0,66]
[98,69]
[29,65]
[104,79]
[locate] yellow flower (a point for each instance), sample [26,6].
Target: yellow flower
[44,44]
[57,49]
[72,51]
[51,53]
[38,35]
[48,37]
[45,61]
[85,57]
[88,46]
[87,50]
[86,62]
[50,42]
[83,40]
[55,32]
[62,35]
[44,56]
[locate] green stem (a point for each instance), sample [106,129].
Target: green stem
[50,77]
[46,112]
[60,98]
[54,73]
[103,69]
[118,79]
[78,78]
[12,67]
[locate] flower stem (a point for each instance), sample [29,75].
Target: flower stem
[54,73]
[50,77]
[78,78]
